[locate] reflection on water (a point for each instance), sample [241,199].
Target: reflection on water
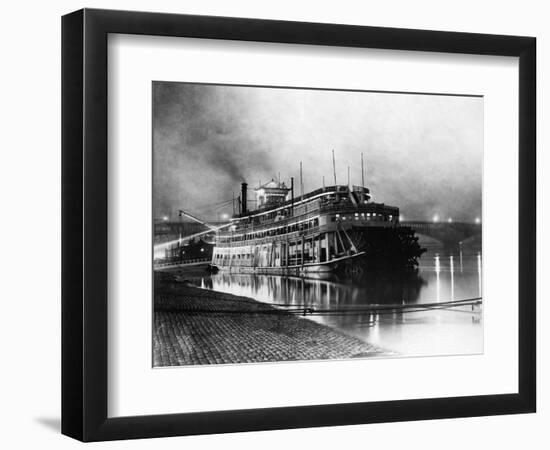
[449,330]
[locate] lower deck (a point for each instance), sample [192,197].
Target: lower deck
[319,252]
[346,263]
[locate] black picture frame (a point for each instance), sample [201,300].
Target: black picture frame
[84,224]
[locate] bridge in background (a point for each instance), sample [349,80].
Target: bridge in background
[447,233]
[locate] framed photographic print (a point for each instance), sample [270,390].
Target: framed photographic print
[273,224]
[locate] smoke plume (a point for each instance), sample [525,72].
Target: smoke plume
[423,153]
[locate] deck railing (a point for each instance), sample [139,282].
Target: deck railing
[159,263]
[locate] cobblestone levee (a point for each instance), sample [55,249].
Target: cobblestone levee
[198,326]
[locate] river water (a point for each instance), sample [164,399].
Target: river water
[443,275]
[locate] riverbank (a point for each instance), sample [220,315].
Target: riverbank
[194,326]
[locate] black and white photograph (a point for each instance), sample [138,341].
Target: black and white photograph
[300,224]
[273,225]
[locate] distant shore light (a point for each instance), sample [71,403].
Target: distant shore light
[165,218]
[450,220]
[478,220]
[436,218]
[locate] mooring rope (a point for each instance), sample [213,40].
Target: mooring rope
[465,301]
[307,310]
[388,309]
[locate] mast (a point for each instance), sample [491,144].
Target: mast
[292,195]
[348,176]
[334,166]
[301,181]
[362,172]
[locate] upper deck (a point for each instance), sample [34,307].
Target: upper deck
[328,204]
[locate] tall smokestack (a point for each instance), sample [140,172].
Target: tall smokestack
[243,198]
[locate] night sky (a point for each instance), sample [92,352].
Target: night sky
[423,153]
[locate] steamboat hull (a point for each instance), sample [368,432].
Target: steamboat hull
[348,251]
[333,230]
